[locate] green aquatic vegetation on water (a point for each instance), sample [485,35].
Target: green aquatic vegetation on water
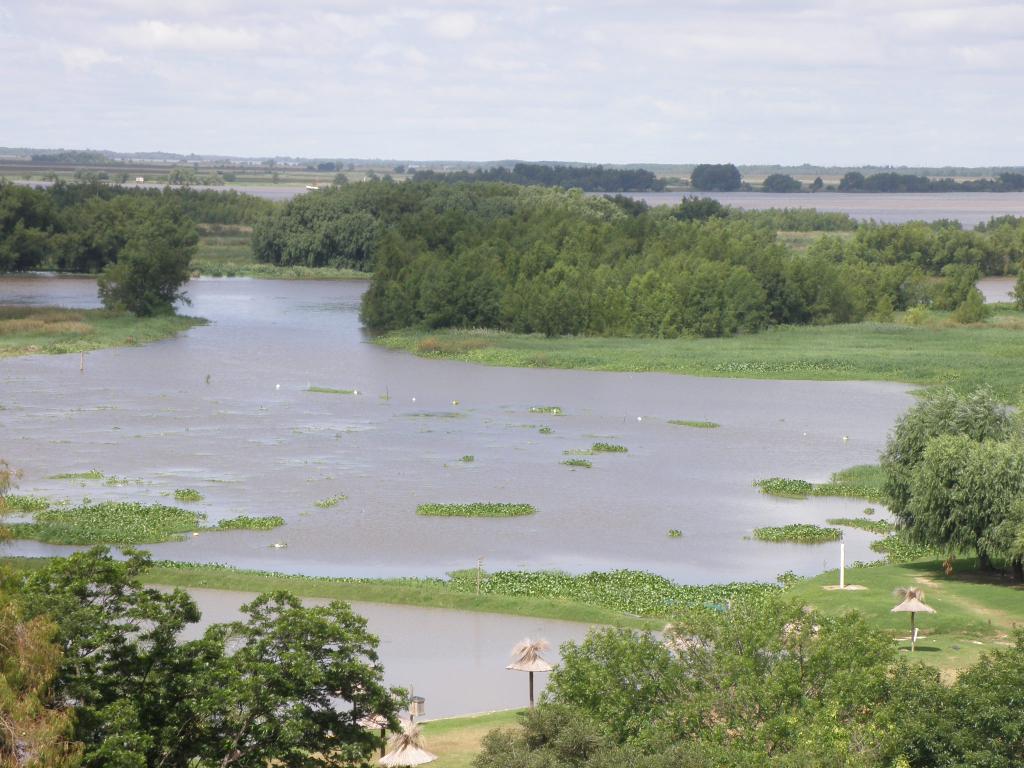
[468,459]
[13,502]
[578,452]
[863,481]
[695,424]
[872,526]
[92,474]
[246,522]
[675,533]
[120,523]
[476,509]
[578,463]
[109,522]
[798,533]
[329,391]
[632,592]
[783,486]
[330,501]
[897,549]
[554,410]
[187,494]
[545,430]
[608,448]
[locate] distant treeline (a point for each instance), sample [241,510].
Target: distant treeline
[72,156]
[533,259]
[83,227]
[595,178]
[902,182]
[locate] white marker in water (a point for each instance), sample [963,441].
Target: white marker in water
[845,438]
[277,386]
[639,418]
[414,399]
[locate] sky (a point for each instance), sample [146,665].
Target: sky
[844,82]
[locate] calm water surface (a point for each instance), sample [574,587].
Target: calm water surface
[455,659]
[254,441]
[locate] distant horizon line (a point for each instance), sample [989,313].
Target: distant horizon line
[10,153]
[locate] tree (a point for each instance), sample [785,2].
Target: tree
[780,182]
[978,415]
[723,177]
[286,683]
[969,495]
[1018,291]
[767,682]
[817,184]
[274,698]
[35,729]
[852,181]
[152,266]
[990,722]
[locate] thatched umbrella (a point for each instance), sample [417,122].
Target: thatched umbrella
[913,603]
[406,748]
[526,658]
[373,722]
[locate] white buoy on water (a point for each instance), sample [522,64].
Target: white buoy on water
[277,386]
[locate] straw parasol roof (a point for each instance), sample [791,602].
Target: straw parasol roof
[406,748]
[913,601]
[526,656]
[372,721]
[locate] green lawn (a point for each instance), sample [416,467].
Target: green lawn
[940,352]
[974,612]
[55,330]
[456,740]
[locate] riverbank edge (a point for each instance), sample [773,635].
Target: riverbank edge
[934,353]
[110,330]
[260,271]
[424,593]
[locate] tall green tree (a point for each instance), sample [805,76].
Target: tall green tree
[977,415]
[151,268]
[284,684]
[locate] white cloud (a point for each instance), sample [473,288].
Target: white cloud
[81,58]
[193,37]
[453,26]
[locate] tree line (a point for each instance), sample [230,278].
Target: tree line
[854,181]
[140,241]
[592,178]
[531,259]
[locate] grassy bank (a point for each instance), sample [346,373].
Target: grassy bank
[965,356]
[430,593]
[54,330]
[226,251]
[456,740]
[974,612]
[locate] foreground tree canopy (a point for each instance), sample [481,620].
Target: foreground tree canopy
[109,680]
[766,683]
[955,476]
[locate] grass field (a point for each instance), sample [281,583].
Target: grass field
[54,330]
[964,356]
[974,612]
[456,740]
[226,251]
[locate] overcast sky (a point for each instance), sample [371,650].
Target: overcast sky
[761,81]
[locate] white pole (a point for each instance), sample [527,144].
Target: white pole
[842,565]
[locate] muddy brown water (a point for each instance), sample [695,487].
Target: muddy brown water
[254,441]
[454,659]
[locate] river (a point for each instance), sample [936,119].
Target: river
[226,409]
